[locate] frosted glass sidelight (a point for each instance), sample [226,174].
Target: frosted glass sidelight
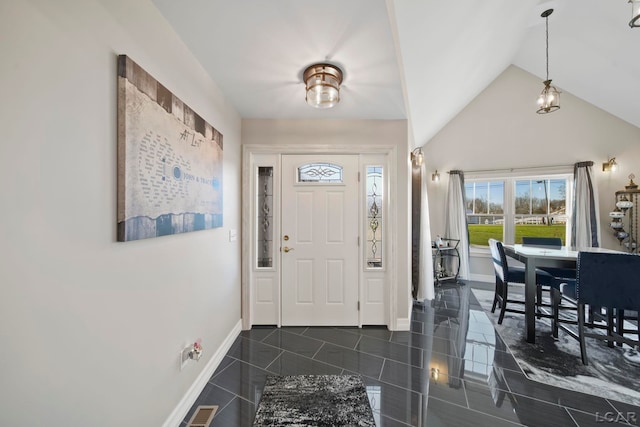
[264,213]
[374,212]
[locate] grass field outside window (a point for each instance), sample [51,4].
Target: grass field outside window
[479,234]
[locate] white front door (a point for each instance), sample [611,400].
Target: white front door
[319,240]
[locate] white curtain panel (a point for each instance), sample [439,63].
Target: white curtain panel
[425,284]
[455,226]
[585,231]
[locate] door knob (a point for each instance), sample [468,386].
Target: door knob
[287,249]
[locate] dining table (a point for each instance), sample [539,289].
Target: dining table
[535,257]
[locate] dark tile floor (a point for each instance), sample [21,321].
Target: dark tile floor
[451,369]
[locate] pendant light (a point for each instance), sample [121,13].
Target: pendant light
[549,99]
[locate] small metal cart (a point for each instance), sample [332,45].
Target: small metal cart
[446,260]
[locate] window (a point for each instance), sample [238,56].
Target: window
[485,211]
[509,208]
[264,213]
[320,172]
[374,216]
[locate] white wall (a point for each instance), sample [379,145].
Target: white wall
[359,133]
[500,129]
[90,329]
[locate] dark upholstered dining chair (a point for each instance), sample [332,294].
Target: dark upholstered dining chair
[550,243]
[542,242]
[562,275]
[506,274]
[608,280]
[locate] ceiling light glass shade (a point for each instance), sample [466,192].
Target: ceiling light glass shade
[549,99]
[322,85]
[635,13]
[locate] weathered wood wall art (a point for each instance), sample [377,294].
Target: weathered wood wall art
[169,161]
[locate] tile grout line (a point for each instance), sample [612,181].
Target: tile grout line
[318,351]
[384,361]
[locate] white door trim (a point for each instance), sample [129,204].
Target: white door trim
[249,152]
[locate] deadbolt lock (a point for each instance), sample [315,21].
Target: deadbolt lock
[285,238]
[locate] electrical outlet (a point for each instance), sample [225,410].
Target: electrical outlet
[184,356]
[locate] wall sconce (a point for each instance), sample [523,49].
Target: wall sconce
[417,157]
[435,374]
[610,165]
[435,176]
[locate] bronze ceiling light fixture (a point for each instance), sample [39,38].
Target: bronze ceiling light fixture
[549,99]
[322,85]
[635,13]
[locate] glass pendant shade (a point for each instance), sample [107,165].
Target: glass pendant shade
[322,85]
[635,13]
[617,213]
[549,99]
[624,204]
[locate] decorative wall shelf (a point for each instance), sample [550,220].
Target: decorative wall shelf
[626,202]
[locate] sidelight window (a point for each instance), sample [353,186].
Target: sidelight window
[264,213]
[374,217]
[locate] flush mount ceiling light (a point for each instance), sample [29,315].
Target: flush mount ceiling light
[549,99]
[635,13]
[323,85]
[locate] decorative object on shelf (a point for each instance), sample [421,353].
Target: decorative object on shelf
[631,185]
[549,99]
[635,13]
[417,157]
[435,176]
[626,203]
[610,165]
[322,85]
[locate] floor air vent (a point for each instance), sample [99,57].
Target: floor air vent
[203,416]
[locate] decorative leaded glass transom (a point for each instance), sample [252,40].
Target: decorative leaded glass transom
[320,172]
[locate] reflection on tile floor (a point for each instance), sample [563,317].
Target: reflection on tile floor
[451,369]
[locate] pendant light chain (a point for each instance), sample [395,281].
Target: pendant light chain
[546,18]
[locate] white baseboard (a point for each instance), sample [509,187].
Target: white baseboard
[178,414]
[403,324]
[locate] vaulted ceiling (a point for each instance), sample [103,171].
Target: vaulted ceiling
[423,60]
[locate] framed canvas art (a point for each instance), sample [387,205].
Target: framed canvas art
[169,161]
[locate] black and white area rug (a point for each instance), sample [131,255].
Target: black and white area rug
[314,400]
[612,373]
